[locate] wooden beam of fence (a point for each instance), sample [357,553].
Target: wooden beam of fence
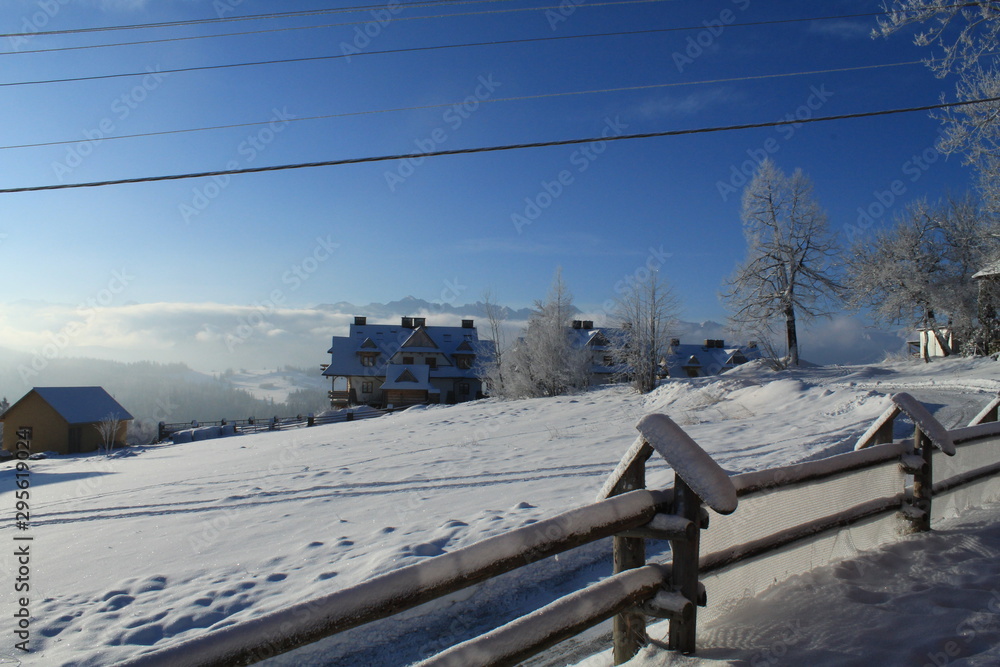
[988,413]
[880,432]
[304,623]
[562,619]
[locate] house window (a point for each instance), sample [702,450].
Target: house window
[367,387]
[368,360]
[463,362]
[463,388]
[608,361]
[407,361]
[431,361]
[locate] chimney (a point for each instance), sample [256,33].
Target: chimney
[720,344]
[419,322]
[468,324]
[577,324]
[709,343]
[674,342]
[360,321]
[588,324]
[407,323]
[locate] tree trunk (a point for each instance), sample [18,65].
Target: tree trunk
[793,339]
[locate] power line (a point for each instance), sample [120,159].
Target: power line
[486,149]
[519,98]
[231,19]
[432,16]
[524,40]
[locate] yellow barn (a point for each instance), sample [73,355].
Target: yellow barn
[64,419]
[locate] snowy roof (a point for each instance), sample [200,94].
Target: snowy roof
[390,339]
[81,405]
[991,270]
[415,377]
[712,359]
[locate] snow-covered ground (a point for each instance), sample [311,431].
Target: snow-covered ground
[148,550]
[929,599]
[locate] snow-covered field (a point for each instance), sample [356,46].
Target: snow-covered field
[152,549]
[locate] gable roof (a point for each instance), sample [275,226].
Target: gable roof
[415,377]
[419,339]
[80,405]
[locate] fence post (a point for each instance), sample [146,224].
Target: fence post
[923,480]
[312,420]
[161,432]
[698,479]
[629,627]
[685,568]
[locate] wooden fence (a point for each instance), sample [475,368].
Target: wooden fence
[253,425]
[631,514]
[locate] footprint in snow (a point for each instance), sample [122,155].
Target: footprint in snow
[277,576]
[323,576]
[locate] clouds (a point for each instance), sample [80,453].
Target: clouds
[686,105]
[841,29]
[207,336]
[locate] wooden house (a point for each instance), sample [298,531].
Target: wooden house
[64,419]
[405,364]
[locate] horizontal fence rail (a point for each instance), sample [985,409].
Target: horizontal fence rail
[756,516]
[410,586]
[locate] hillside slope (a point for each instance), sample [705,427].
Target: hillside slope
[149,549]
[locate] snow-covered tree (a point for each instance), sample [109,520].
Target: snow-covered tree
[545,361]
[964,37]
[646,312]
[919,271]
[788,271]
[108,430]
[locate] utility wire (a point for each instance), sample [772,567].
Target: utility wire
[519,98]
[486,149]
[306,13]
[420,18]
[524,40]
[249,17]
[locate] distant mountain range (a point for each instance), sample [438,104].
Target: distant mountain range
[689,332]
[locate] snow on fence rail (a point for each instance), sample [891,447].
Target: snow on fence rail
[765,526]
[253,425]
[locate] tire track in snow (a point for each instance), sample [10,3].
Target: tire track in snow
[322,492]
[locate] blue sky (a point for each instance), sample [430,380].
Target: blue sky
[447,228]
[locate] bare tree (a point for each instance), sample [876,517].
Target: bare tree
[545,361]
[646,312]
[108,430]
[491,365]
[787,273]
[919,271]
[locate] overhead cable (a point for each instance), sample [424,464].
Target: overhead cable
[486,149]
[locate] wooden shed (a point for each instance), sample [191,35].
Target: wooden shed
[64,419]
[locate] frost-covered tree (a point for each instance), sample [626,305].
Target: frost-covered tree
[919,271]
[108,430]
[646,312]
[963,37]
[545,361]
[787,273]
